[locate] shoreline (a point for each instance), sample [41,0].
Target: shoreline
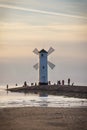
[43,118]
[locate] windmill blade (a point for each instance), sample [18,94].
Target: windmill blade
[51,65]
[36,51]
[50,50]
[36,66]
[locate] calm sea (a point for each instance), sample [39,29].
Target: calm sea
[13,99]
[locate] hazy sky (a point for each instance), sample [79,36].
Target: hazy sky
[29,24]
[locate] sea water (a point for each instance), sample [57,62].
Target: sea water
[15,99]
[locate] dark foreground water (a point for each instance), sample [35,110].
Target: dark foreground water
[11,99]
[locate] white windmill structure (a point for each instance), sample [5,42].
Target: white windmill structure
[43,64]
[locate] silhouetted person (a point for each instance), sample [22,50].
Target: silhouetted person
[16,85]
[32,84]
[58,82]
[49,82]
[25,84]
[62,82]
[69,81]
[7,86]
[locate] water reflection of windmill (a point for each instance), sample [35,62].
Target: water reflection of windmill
[43,65]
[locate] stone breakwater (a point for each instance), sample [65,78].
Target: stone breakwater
[58,88]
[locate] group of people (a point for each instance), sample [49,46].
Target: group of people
[63,82]
[49,83]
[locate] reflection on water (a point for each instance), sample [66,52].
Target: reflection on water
[39,99]
[43,94]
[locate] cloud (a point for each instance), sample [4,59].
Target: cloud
[42,11]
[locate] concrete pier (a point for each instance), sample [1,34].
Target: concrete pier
[57,88]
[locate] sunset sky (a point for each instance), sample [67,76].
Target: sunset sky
[29,24]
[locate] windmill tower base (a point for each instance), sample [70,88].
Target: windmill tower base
[43,83]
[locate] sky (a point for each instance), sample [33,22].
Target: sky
[29,24]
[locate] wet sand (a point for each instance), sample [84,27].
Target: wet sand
[36,118]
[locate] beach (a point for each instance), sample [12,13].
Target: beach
[43,118]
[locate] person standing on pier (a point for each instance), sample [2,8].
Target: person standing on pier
[62,82]
[68,81]
[25,84]
[7,86]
